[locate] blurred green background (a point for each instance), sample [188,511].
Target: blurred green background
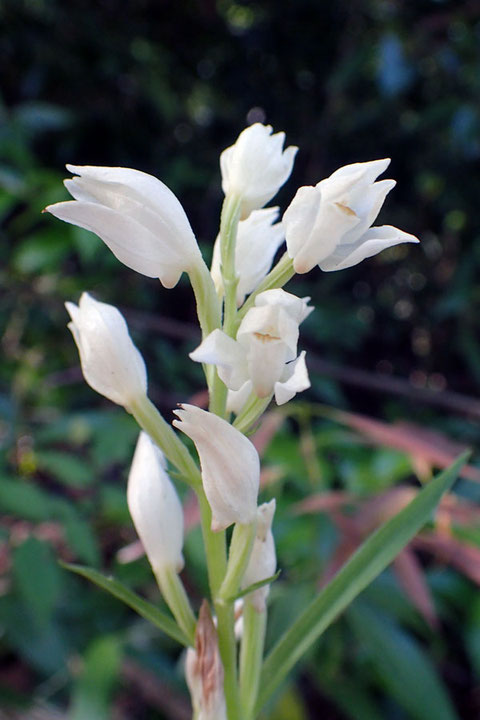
[164,87]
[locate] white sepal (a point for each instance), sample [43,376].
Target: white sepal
[328,225]
[263,559]
[155,508]
[111,363]
[295,379]
[229,462]
[258,239]
[137,217]
[256,166]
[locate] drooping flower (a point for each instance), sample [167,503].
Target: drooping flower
[155,508]
[204,670]
[258,240]
[256,166]
[330,224]
[229,463]
[111,363]
[263,559]
[137,217]
[263,357]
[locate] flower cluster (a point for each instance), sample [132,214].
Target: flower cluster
[249,351]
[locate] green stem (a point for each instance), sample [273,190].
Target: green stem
[177,600]
[150,420]
[228,237]
[218,395]
[276,278]
[251,411]
[209,308]
[251,652]
[215,550]
[238,557]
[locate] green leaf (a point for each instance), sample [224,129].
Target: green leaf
[254,586]
[141,606]
[405,669]
[22,498]
[92,690]
[37,579]
[368,561]
[65,468]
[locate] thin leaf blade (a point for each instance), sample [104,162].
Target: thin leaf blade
[373,556]
[121,592]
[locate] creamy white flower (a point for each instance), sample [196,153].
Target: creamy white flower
[263,357]
[329,224]
[204,671]
[256,166]
[155,508]
[258,240]
[263,559]
[229,463]
[111,363]
[136,215]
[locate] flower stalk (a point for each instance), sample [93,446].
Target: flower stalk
[251,653]
[249,353]
[228,235]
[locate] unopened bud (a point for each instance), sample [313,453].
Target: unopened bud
[263,560]
[229,462]
[155,507]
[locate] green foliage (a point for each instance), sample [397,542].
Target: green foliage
[165,87]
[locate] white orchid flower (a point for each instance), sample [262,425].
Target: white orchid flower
[256,166]
[136,216]
[263,559]
[155,508]
[263,357]
[229,463]
[111,363]
[258,239]
[330,224]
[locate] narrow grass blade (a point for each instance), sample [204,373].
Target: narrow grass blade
[141,606]
[364,566]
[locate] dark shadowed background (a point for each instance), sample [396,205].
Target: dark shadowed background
[164,87]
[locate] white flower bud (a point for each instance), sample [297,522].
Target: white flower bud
[154,507]
[229,463]
[263,559]
[329,224]
[263,358]
[257,242]
[136,215]
[204,671]
[256,166]
[111,363]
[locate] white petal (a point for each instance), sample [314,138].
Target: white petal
[367,171]
[134,245]
[257,242]
[154,506]
[221,350]
[143,187]
[296,382]
[314,225]
[296,307]
[263,560]
[229,462]
[371,243]
[236,399]
[367,203]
